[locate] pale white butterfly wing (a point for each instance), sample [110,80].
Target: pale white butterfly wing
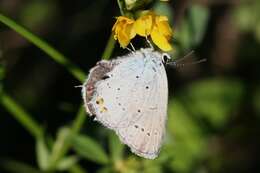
[117,96]
[132,100]
[145,135]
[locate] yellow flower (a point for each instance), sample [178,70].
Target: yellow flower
[123,30]
[149,24]
[162,33]
[143,25]
[157,27]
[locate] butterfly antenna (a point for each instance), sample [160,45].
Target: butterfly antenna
[177,64]
[185,57]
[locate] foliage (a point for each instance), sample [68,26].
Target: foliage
[210,120]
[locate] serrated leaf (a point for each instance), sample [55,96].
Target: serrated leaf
[42,154]
[66,163]
[116,148]
[89,149]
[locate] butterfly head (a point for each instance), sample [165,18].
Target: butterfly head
[165,58]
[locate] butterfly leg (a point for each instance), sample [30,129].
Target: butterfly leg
[132,46]
[149,43]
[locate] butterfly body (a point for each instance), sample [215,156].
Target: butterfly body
[129,95]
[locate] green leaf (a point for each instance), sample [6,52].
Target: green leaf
[189,144]
[18,167]
[66,163]
[116,148]
[42,154]
[89,149]
[106,170]
[60,146]
[77,169]
[214,99]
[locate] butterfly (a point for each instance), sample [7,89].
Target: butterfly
[129,95]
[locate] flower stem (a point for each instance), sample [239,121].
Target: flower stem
[121,7]
[78,122]
[109,47]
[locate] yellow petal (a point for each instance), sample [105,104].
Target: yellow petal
[114,26]
[123,39]
[162,18]
[125,34]
[123,30]
[129,30]
[163,26]
[143,25]
[116,30]
[160,40]
[123,18]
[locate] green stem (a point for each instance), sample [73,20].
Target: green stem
[79,121]
[111,41]
[53,53]
[109,47]
[21,115]
[121,8]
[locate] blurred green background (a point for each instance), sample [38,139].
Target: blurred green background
[214,107]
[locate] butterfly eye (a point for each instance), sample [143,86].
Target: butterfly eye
[165,57]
